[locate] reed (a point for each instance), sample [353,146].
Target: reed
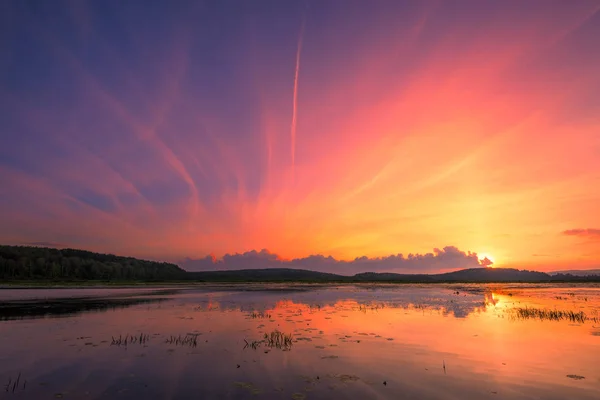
[129,339]
[255,344]
[274,339]
[260,314]
[190,339]
[278,339]
[552,315]
[369,307]
[12,386]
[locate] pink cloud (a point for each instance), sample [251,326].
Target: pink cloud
[447,259]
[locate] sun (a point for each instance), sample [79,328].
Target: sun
[483,256]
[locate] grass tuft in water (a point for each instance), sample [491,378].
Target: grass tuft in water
[129,339]
[552,315]
[279,339]
[12,386]
[190,339]
[275,339]
[260,314]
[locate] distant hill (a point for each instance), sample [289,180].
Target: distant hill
[300,275]
[23,263]
[493,275]
[267,274]
[464,275]
[578,272]
[472,275]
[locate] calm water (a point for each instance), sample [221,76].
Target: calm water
[355,342]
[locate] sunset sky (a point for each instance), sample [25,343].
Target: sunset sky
[181,130]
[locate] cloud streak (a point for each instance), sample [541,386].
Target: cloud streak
[589,232]
[295,96]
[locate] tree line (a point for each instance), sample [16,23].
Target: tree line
[42,263]
[26,263]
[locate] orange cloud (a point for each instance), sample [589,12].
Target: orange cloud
[592,233]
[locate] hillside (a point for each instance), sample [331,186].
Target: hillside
[578,272]
[42,263]
[464,275]
[493,275]
[266,274]
[474,275]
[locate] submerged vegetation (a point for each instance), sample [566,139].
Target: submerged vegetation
[552,315]
[370,307]
[274,339]
[190,339]
[12,386]
[133,339]
[260,314]
[278,339]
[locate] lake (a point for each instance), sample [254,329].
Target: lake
[302,342]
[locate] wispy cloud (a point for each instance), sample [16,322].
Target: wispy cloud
[588,232]
[295,99]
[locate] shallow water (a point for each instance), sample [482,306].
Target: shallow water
[355,342]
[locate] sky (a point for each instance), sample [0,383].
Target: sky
[407,135]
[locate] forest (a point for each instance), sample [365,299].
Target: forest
[24,263]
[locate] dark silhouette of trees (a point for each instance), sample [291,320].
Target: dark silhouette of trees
[21,263]
[42,263]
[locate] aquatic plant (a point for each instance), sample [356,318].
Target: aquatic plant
[12,386]
[370,307]
[190,339]
[260,314]
[278,339]
[253,344]
[129,339]
[552,315]
[274,339]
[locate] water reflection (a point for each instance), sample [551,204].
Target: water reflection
[425,342]
[60,308]
[455,301]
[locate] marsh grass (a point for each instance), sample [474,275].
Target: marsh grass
[274,339]
[130,339]
[255,344]
[278,339]
[552,315]
[369,307]
[190,339]
[12,386]
[260,314]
